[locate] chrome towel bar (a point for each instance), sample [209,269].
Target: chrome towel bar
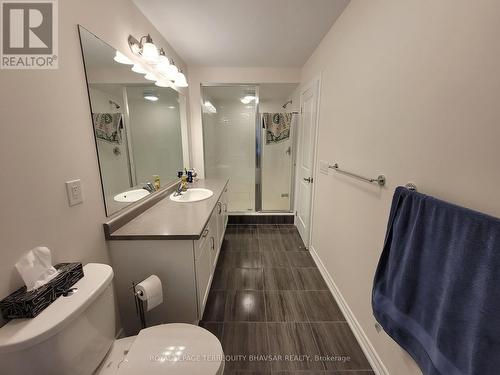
[379,180]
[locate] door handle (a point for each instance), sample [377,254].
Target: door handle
[308,179]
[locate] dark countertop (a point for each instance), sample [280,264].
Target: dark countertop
[169,220]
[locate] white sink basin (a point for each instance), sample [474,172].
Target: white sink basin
[192,195]
[131,195]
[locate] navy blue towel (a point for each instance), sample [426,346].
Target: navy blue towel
[437,286]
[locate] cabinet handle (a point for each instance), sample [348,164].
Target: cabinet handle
[220,207]
[213,243]
[205,233]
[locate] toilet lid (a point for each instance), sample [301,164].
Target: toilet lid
[174,349]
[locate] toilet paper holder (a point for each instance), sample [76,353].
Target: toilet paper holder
[139,304]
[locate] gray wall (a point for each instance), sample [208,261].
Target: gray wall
[410,89]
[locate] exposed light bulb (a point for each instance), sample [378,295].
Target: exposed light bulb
[122,59]
[139,69]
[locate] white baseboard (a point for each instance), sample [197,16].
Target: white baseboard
[364,342]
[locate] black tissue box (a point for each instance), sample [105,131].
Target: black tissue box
[23,304]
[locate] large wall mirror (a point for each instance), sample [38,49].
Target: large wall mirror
[138,127]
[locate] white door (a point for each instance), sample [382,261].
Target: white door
[305,160]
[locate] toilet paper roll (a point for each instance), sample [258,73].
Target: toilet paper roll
[150,291]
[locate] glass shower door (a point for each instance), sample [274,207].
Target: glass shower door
[229,123]
[276,165]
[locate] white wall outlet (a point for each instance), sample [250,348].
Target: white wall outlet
[74,191]
[323,166]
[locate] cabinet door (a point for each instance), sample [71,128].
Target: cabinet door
[203,275]
[220,222]
[224,209]
[214,237]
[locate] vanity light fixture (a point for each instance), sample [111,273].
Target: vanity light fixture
[180,80]
[152,97]
[122,59]
[171,71]
[163,83]
[151,77]
[139,69]
[163,60]
[158,67]
[145,48]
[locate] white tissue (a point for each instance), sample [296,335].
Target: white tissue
[35,267]
[150,291]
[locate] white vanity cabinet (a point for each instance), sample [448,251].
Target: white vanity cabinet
[185,267]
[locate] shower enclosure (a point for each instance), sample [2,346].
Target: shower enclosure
[235,146]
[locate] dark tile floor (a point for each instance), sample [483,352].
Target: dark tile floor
[272,310]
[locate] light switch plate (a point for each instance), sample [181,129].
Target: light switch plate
[323,166]
[74,191]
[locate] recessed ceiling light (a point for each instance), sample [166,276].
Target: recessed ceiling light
[152,97]
[209,107]
[247,99]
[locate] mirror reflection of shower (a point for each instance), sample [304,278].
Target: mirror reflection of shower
[249,137]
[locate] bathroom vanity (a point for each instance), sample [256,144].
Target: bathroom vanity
[178,242]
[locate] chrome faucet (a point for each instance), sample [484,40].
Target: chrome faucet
[149,187]
[179,190]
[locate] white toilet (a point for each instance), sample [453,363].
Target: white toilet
[75,335]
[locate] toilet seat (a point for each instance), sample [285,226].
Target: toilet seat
[177,349]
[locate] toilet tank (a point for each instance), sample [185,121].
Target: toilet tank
[71,336]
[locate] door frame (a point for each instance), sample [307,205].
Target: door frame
[316,81]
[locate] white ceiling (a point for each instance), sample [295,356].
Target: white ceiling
[266,33]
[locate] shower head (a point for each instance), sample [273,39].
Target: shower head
[288,102]
[114,104]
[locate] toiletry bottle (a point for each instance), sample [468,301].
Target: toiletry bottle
[184,182]
[190,177]
[157,182]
